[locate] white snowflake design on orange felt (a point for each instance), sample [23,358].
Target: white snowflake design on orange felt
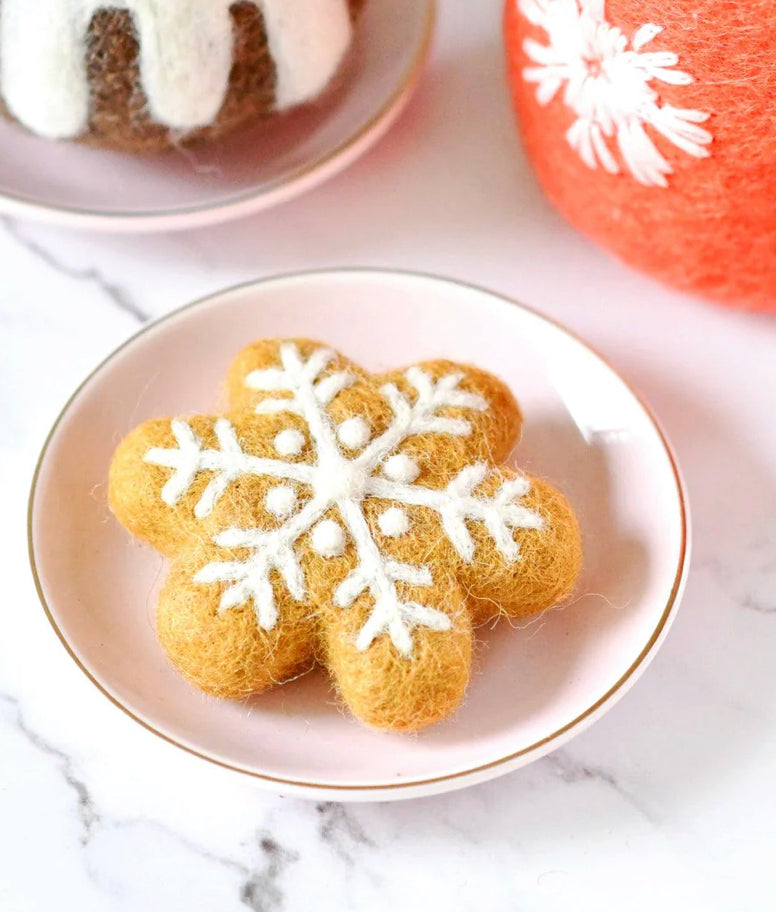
[350,465]
[609,81]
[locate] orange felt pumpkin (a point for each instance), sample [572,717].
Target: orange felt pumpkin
[652,127]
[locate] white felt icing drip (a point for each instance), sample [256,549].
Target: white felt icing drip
[340,483]
[186,49]
[307,39]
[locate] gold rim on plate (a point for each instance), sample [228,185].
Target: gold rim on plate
[616,688]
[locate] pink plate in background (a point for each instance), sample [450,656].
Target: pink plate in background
[533,688]
[81,187]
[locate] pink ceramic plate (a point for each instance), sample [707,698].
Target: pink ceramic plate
[534,687]
[76,186]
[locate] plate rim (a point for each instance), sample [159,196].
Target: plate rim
[279,191]
[426,785]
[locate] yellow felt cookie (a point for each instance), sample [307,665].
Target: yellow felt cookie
[362,521]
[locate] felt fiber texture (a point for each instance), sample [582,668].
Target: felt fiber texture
[119,113]
[712,230]
[401,677]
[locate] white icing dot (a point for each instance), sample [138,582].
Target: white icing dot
[328,539]
[394,522]
[354,433]
[289,442]
[280,500]
[401,468]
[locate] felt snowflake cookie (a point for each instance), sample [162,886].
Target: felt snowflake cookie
[362,521]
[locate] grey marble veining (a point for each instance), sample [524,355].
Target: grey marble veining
[113,292]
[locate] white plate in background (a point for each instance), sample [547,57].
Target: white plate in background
[78,186]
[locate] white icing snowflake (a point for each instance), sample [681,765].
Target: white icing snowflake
[349,464]
[607,81]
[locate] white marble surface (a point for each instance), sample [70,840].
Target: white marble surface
[668,802]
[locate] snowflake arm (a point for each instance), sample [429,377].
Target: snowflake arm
[397,619]
[228,463]
[272,550]
[310,393]
[421,416]
[390,614]
[457,503]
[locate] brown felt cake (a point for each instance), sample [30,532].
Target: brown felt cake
[134,76]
